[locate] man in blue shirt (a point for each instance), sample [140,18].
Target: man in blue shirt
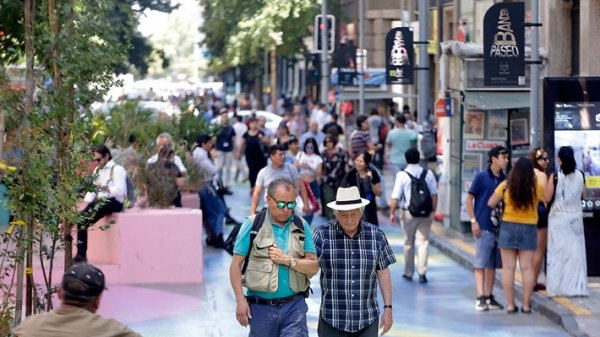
[225,149]
[281,261]
[487,257]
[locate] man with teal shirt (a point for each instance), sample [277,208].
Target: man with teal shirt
[399,140]
[281,261]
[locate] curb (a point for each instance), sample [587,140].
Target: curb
[545,306]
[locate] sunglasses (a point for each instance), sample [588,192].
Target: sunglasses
[96,160]
[282,204]
[309,148]
[545,159]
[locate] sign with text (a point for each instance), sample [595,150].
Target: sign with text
[443,107]
[483,145]
[504,45]
[399,56]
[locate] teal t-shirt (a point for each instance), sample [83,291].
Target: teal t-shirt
[282,234]
[400,140]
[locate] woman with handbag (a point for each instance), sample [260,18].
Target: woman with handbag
[368,182]
[566,274]
[520,194]
[309,164]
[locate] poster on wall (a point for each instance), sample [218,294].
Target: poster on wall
[518,132]
[474,125]
[399,56]
[471,165]
[498,124]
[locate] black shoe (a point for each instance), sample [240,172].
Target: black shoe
[526,311]
[539,286]
[408,278]
[227,191]
[79,259]
[209,242]
[422,279]
[218,241]
[481,304]
[492,304]
[513,311]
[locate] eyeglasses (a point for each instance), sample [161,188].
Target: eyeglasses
[282,204]
[309,148]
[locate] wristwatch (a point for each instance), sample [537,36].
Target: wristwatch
[293,263]
[473,221]
[388,306]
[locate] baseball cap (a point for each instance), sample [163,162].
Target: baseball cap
[495,152]
[223,111]
[83,280]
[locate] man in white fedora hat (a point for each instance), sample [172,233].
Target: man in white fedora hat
[353,256]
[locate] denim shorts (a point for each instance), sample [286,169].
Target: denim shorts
[517,236]
[487,254]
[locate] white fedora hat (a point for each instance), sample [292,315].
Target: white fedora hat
[348,199]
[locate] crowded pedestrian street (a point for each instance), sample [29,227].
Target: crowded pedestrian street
[442,308]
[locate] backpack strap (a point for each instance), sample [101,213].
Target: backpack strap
[256,225]
[424,174]
[298,222]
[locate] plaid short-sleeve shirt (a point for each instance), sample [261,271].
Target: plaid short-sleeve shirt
[349,268]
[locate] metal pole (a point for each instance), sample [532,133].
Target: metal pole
[535,78]
[361,46]
[324,52]
[423,62]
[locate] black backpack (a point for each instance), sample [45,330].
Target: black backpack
[256,225]
[421,203]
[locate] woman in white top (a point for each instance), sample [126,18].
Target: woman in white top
[566,271]
[309,163]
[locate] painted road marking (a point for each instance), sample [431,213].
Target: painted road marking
[573,307]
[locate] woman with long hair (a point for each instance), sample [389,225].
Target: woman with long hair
[540,161]
[566,273]
[521,194]
[368,182]
[283,135]
[254,143]
[335,161]
[309,164]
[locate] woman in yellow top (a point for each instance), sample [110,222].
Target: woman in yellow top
[518,231]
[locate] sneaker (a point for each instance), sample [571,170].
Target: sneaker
[492,304]
[480,304]
[408,278]
[422,279]
[539,286]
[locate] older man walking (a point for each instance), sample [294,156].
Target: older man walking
[353,256]
[279,259]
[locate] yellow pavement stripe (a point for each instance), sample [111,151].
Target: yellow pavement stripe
[573,307]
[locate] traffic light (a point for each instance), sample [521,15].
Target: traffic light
[313,69]
[318,28]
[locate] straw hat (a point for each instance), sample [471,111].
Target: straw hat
[348,199]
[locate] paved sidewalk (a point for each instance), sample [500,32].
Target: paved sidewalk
[580,316]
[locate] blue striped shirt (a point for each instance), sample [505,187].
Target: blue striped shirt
[349,268]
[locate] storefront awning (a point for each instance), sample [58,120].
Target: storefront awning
[354,95]
[488,100]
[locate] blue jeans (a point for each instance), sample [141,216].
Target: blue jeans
[397,168]
[213,208]
[282,320]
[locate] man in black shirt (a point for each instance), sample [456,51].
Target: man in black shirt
[333,123]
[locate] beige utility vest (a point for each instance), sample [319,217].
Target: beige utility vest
[262,274]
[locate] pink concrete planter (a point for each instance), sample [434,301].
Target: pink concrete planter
[149,246]
[190,200]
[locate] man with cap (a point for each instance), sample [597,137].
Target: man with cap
[353,256]
[280,259]
[487,254]
[80,293]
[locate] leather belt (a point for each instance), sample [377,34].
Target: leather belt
[275,301]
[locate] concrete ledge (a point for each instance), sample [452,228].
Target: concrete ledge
[540,303]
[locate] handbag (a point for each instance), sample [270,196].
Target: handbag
[314,204]
[498,211]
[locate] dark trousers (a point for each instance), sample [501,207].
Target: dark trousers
[326,330]
[379,158]
[89,218]
[255,164]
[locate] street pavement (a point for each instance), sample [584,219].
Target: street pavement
[443,307]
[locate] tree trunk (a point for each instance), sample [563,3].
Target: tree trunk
[258,90]
[274,78]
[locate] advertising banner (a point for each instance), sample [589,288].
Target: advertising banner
[347,65]
[399,56]
[504,45]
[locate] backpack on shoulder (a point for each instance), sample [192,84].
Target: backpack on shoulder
[130,196]
[421,204]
